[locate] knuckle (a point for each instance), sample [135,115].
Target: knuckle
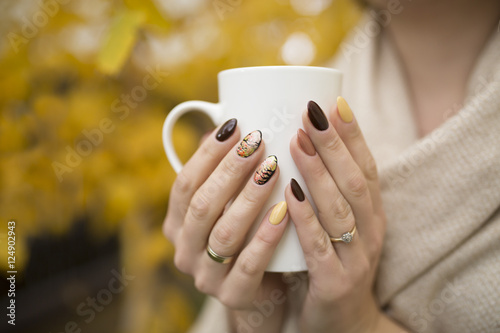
[335,144]
[309,216]
[375,246]
[224,236]
[200,206]
[327,294]
[181,262]
[342,211]
[170,227]
[182,207]
[357,185]
[265,240]
[322,245]
[371,171]
[364,266]
[249,266]
[203,285]
[229,300]
[319,172]
[200,284]
[377,242]
[251,199]
[182,183]
[360,271]
[231,169]
[349,285]
[168,230]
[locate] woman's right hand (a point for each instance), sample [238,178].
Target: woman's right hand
[202,211]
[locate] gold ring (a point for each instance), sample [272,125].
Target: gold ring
[346,237]
[217,258]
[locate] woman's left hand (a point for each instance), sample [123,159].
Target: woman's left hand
[341,175]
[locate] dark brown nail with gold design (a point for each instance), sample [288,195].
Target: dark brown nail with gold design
[296,190]
[226,130]
[249,144]
[266,170]
[305,143]
[316,116]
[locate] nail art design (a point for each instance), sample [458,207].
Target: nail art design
[266,170]
[316,116]
[297,190]
[345,111]
[305,143]
[249,144]
[226,130]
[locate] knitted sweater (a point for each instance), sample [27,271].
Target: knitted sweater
[440,266]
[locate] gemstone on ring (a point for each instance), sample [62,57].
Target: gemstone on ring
[346,237]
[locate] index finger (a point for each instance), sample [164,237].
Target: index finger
[199,167]
[246,275]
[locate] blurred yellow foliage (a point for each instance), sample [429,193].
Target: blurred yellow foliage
[78,141]
[119,41]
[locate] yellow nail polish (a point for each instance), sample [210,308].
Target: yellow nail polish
[344,110]
[278,213]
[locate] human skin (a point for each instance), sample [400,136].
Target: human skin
[438,43]
[438,49]
[341,176]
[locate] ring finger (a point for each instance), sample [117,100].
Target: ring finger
[321,256]
[334,212]
[228,234]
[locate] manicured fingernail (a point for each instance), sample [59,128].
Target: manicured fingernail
[345,111]
[305,143]
[266,170]
[296,190]
[278,213]
[226,130]
[316,116]
[249,144]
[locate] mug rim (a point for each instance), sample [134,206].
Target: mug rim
[277,68]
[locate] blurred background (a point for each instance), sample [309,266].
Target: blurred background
[84,88]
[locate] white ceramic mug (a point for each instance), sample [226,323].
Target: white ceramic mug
[270,99]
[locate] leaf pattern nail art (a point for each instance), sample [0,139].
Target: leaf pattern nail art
[249,144]
[266,170]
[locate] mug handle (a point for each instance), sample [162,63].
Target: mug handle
[212,110]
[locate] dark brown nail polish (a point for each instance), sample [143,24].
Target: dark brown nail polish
[316,116]
[296,190]
[305,143]
[226,130]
